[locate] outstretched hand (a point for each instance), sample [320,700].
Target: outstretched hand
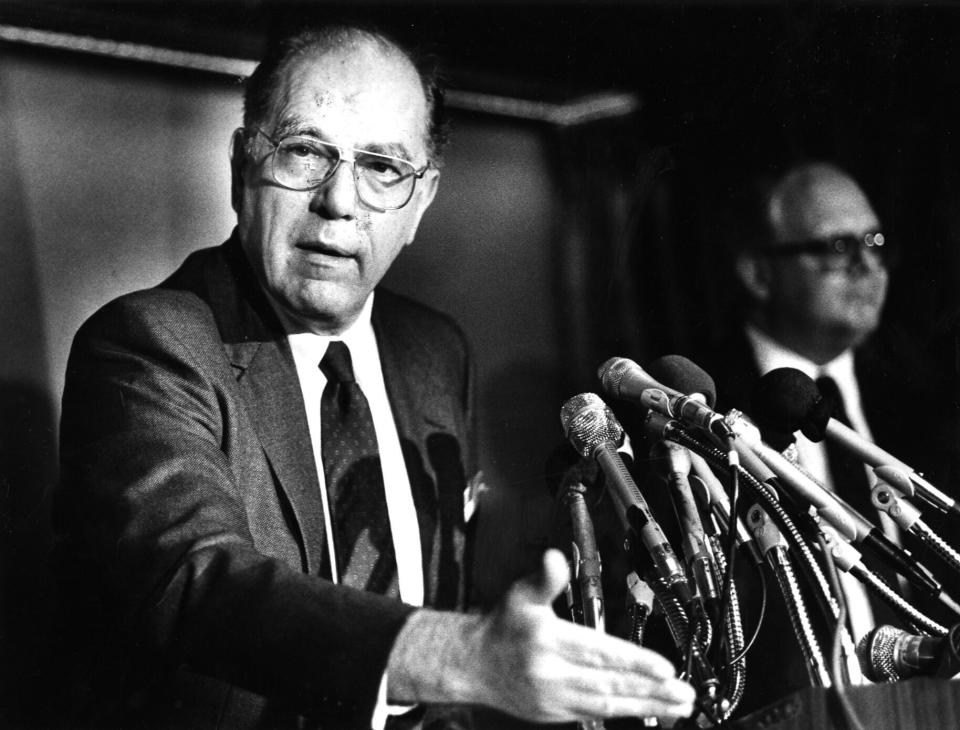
[523,660]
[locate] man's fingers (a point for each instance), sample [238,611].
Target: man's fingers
[569,671]
[634,697]
[635,707]
[653,665]
[647,674]
[594,650]
[670,691]
[542,587]
[598,697]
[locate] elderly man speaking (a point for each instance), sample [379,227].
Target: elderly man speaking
[265,457]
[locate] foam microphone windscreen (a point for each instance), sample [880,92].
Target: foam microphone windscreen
[786,400]
[683,375]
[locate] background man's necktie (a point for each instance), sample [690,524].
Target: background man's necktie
[351,467]
[846,471]
[850,483]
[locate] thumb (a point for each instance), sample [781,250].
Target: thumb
[547,583]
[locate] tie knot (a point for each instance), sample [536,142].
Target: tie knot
[336,364]
[827,385]
[831,392]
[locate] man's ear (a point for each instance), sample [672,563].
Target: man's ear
[428,189]
[754,274]
[238,161]
[426,192]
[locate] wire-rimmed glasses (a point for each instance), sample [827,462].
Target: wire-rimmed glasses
[383,182]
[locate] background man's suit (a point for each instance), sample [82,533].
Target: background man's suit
[895,381]
[193,502]
[902,390]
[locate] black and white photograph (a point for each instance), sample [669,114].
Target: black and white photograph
[447,365]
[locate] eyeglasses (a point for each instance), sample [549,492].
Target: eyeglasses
[837,253]
[305,163]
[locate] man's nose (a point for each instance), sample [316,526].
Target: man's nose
[337,197]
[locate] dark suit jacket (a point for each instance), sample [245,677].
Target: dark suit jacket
[190,514]
[900,388]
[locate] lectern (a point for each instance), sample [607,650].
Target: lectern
[913,704]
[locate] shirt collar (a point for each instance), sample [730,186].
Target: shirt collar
[358,337]
[840,368]
[771,355]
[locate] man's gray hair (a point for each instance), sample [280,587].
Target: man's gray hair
[263,84]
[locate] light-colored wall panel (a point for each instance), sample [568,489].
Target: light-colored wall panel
[122,173]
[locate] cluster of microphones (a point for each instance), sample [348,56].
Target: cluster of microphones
[739,493]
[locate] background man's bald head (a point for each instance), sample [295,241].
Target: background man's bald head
[813,201]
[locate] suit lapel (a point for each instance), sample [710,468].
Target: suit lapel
[403,380]
[274,401]
[419,397]
[431,448]
[266,375]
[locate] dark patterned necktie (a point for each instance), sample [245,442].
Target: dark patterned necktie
[351,467]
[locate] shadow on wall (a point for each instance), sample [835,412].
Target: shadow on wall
[521,423]
[27,594]
[27,456]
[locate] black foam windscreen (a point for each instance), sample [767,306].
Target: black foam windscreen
[786,400]
[683,375]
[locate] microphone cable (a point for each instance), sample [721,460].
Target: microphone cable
[808,563]
[810,566]
[735,666]
[836,661]
[731,551]
[686,636]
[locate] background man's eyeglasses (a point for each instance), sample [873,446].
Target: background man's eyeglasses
[305,163]
[839,252]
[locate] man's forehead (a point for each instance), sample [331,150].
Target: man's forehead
[823,206]
[363,87]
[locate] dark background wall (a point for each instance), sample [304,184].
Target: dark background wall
[556,246]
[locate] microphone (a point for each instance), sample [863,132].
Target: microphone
[640,599]
[594,431]
[789,400]
[848,523]
[716,498]
[888,654]
[587,567]
[677,466]
[887,496]
[625,380]
[573,486]
[685,376]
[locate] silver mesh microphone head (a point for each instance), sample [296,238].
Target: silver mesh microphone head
[588,422]
[875,652]
[611,373]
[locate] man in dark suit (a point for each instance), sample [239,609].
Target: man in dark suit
[814,265]
[203,511]
[806,299]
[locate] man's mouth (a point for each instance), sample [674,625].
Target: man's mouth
[326,249]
